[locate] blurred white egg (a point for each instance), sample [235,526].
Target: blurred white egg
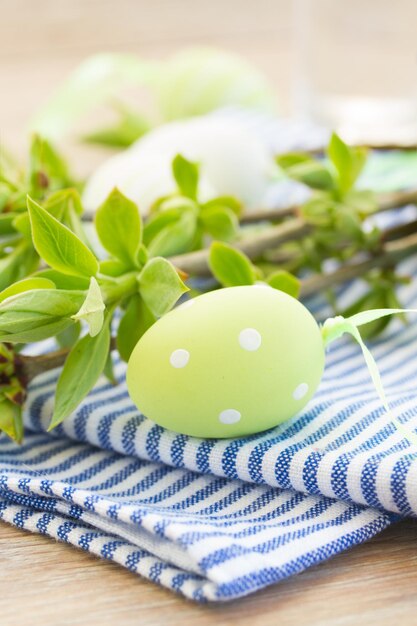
[233,161]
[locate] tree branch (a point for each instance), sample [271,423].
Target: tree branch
[393,253]
[385,201]
[196,263]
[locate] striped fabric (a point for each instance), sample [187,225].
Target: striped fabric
[218,519]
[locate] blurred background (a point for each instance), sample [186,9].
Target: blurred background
[347,64]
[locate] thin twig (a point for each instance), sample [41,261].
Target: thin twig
[377,147]
[385,202]
[393,252]
[32,366]
[196,263]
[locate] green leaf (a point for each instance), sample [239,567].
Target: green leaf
[92,309]
[47,170]
[108,370]
[21,223]
[11,419]
[64,281]
[61,202]
[119,227]
[22,261]
[112,267]
[289,159]
[45,328]
[175,238]
[284,281]
[130,126]
[348,222]
[220,223]
[58,245]
[319,210]
[81,370]
[68,337]
[160,286]
[363,201]
[229,202]
[169,212]
[65,205]
[45,301]
[37,314]
[347,161]
[27,284]
[96,80]
[142,256]
[186,176]
[7,223]
[135,322]
[230,266]
[375,299]
[306,170]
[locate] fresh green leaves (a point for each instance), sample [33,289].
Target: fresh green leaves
[186,176]
[37,314]
[92,309]
[82,369]
[18,263]
[284,281]
[336,209]
[173,236]
[26,284]
[347,161]
[58,245]
[134,323]
[305,169]
[230,266]
[128,128]
[337,176]
[11,420]
[220,222]
[380,295]
[95,81]
[12,395]
[119,228]
[160,286]
[180,223]
[47,169]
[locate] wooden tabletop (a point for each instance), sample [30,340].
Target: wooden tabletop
[50,584]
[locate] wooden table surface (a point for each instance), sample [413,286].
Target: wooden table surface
[50,584]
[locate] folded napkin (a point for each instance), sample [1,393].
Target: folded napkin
[218,519]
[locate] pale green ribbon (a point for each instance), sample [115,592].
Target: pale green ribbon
[335,327]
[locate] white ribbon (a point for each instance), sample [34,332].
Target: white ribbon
[335,327]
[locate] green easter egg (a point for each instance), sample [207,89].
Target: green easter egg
[228,363]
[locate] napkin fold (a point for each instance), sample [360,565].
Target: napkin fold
[218,519]
[206,537]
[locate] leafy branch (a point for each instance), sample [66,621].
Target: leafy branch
[75,288]
[54,284]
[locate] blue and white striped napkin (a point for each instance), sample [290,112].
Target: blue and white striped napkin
[218,519]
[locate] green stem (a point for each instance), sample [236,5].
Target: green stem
[123,287]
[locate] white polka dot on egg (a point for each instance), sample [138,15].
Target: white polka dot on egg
[229,416]
[179,358]
[300,391]
[250,339]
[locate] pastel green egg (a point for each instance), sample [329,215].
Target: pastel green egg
[228,363]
